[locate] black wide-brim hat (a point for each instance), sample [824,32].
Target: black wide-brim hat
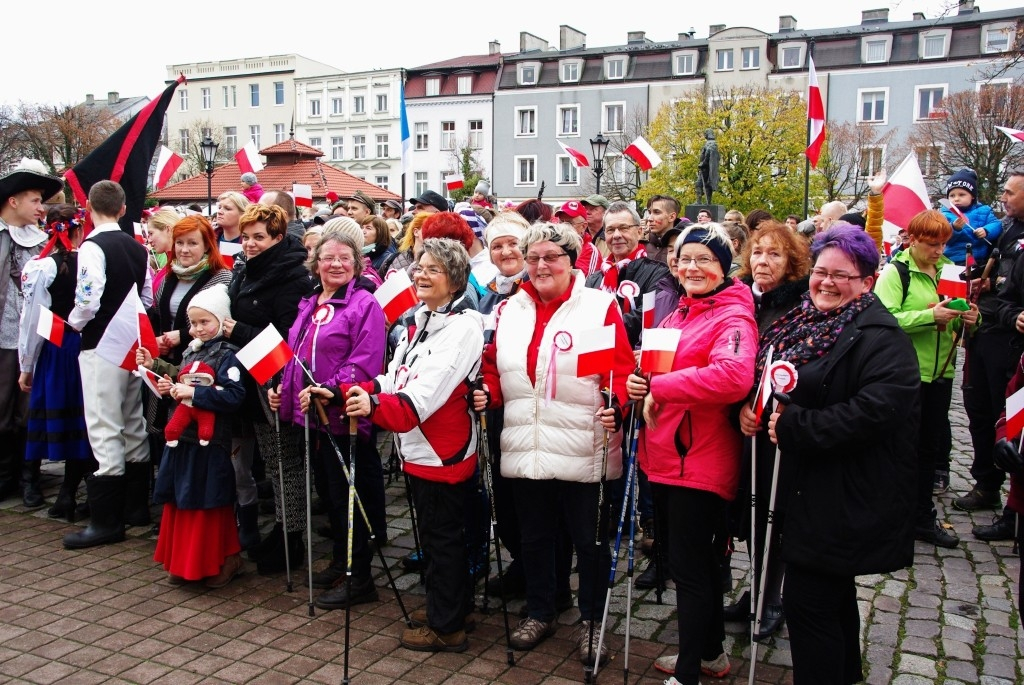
[24,178]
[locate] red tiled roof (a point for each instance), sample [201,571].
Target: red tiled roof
[291,147]
[483,83]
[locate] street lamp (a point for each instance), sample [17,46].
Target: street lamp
[599,146]
[208,148]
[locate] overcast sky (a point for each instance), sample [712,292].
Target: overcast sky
[74,47]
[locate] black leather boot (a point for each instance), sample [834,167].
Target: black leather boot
[248,526]
[31,490]
[10,462]
[272,560]
[64,506]
[106,503]
[137,476]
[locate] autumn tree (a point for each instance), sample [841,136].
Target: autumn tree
[464,161]
[10,138]
[851,155]
[761,134]
[61,136]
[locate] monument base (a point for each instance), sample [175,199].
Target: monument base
[717,212]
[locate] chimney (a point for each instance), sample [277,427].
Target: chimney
[715,28]
[787,22]
[570,39]
[686,36]
[494,48]
[112,97]
[966,7]
[635,37]
[90,99]
[879,16]
[528,42]
[918,16]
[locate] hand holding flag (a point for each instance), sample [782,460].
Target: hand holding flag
[265,355]
[50,326]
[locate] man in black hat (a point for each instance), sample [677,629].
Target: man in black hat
[21,200]
[392,209]
[429,202]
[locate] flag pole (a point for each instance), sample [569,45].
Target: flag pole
[807,160]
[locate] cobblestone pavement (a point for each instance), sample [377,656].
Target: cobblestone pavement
[107,615]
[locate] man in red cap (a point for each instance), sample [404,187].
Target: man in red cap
[573,212]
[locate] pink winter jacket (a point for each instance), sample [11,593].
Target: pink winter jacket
[713,369]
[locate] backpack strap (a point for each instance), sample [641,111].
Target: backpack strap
[904,271]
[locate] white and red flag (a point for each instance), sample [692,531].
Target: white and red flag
[1012,133]
[658,349]
[140,234]
[127,331]
[166,164]
[265,355]
[957,212]
[815,115]
[578,158]
[149,379]
[454,181]
[1015,414]
[641,152]
[50,326]
[906,196]
[648,300]
[303,195]
[595,351]
[248,158]
[951,281]
[764,387]
[396,295]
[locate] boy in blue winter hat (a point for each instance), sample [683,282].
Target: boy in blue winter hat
[981,229]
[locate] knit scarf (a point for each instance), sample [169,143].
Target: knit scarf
[610,268]
[806,333]
[190,273]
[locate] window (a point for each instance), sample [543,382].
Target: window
[206,97]
[337,147]
[934,46]
[476,134]
[992,97]
[570,72]
[382,146]
[359,104]
[447,135]
[433,86]
[231,139]
[525,171]
[420,182]
[615,168]
[568,120]
[684,63]
[183,141]
[611,121]
[526,121]
[254,133]
[278,133]
[183,100]
[382,103]
[381,181]
[928,160]
[337,105]
[614,67]
[751,58]
[872,106]
[997,38]
[928,99]
[528,73]
[422,137]
[565,171]
[870,161]
[358,147]
[230,97]
[315,142]
[791,57]
[465,85]
[875,49]
[254,95]
[314,107]
[723,60]
[278,92]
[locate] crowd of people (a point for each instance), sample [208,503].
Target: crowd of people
[831,477]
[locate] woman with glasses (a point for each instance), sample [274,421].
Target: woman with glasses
[848,442]
[690,449]
[557,425]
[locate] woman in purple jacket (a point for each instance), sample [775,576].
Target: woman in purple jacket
[339,336]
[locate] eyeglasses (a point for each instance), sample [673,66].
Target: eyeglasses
[344,261]
[838,278]
[700,261]
[534,259]
[430,270]
[619,229]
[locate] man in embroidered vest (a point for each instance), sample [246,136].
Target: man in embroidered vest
[110,264]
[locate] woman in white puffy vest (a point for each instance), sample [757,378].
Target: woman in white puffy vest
[556,423]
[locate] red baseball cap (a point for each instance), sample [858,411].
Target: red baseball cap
[573,210]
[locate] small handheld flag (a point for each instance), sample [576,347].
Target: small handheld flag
[396,295]
[641,152]
[248,158]
[265,355]
[595,351]
[658,349]
[50,326]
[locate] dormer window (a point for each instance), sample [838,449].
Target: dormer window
[433,86]
[615,67]
[934,44]
[876,49]
[997,37]
[528,73]
[569,70]
[684,63]
[791,55]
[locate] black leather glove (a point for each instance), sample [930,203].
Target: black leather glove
[1007,457]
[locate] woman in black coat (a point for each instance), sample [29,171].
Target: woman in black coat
[266,289]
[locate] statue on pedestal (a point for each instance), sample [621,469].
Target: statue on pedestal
[707,168]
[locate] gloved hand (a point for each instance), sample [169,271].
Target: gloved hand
[1007,457]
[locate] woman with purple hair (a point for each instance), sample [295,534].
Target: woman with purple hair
[847,438]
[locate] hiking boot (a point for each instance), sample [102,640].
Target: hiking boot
[718,668]
[531,632]
[419,619]
[363,591]
[231,568]
[937,535]
[424,639]
[647,541]
[978,499]
[330,576]
[941,482]
[586,645]
[1001,528]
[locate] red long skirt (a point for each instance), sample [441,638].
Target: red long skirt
[193,543]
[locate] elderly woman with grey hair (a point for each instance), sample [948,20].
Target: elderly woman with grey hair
[230,207]
[556,424]
[251,187]
[423,397]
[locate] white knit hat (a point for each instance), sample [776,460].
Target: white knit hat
[214,300]
[348,227]
[506,223]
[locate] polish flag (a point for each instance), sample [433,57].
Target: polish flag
[957,212]
[905,195]
[303,195]
[815,115]
[1015,414]
[248,158]
[454,182]
[764,388]
[127,331]
[578,158]
[166,164]
[648,310]
[140,235]
[658,349]
[595,351]
[396,295]
[641,152]
[1012,133]
[50,326]
[951,281]
[149,379]
[265,355]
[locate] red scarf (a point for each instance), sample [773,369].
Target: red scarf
[611,268]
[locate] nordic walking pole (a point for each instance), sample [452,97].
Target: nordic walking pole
[588,671]
[634,494]
[353,430]
[784,400]
[284,512]
[415,529]
[287,558]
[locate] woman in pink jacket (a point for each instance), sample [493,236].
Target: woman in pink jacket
[690,448]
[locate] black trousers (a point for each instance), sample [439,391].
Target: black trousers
[824,627]
[934,443]
[991,359]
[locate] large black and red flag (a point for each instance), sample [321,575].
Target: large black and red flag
[125,157]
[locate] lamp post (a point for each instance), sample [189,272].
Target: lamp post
[599,146]
[208,148]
